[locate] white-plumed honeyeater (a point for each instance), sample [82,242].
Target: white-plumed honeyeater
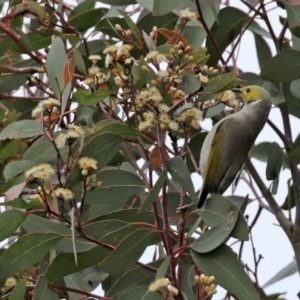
[226,146]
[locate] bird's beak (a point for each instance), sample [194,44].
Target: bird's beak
[237,90]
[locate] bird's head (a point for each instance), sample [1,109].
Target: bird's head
[252,93]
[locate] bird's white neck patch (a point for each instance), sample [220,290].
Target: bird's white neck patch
[253,103]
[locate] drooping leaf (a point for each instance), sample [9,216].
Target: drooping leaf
[230,23]
[222,83]
[22,129]
[116,184]
[109,231]
[228,271]
[285,272]
[132,26]
[134,277]
[215,210]
[293,15]
[195,145]
[274,164]
[27,250]
[43,151]
[163,268]
[214,237]
[15,168]
[85,15]
[199,57]
[10,221]
[56,62]
[85,260]
[161,7]
[19,291]
[89,98]
[180,174]
[128,252]
[154,192]
[263,50]
[139,292]
[189,84]
[42,290]
[284,66]
[75,281]
[115,127]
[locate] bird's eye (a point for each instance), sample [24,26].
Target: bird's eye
[248,90]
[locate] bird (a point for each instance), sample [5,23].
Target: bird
[227,145]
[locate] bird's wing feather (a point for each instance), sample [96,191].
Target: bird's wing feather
[229,150]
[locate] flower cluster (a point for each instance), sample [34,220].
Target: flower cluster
[164,287]
[64,194]
[87,164]
[50,105]
[207,282]
[40,172]
[95,77]
[68,137]
[9,284]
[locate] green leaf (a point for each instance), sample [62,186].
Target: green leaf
[42,291]
[228,271]
[134,277]
[27,250]
[116,184]
[162,7]
[199,57]
[42,151]
[19,291]
[109,231]
[214,237]
[285,272]
[214,212]
[102,147]
[57,59]
[285,66]
[129,215]
[89,98]
[15,181]
[118,2]
[15,168]
[139,292]
[154,192]
[274,162]
[116,127]
[22,129]
[230,23]
[19,203]
[77,282]
[195,145]
[36,39]
[86,16]
[293,16]
[10,221]
[189,84]
[132,26]
[12,148]
[220,84]
[263,51]
[35,223]
[181,175]
[163,268]
[128,252]
[146,22]
[85,260]
[80,64]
